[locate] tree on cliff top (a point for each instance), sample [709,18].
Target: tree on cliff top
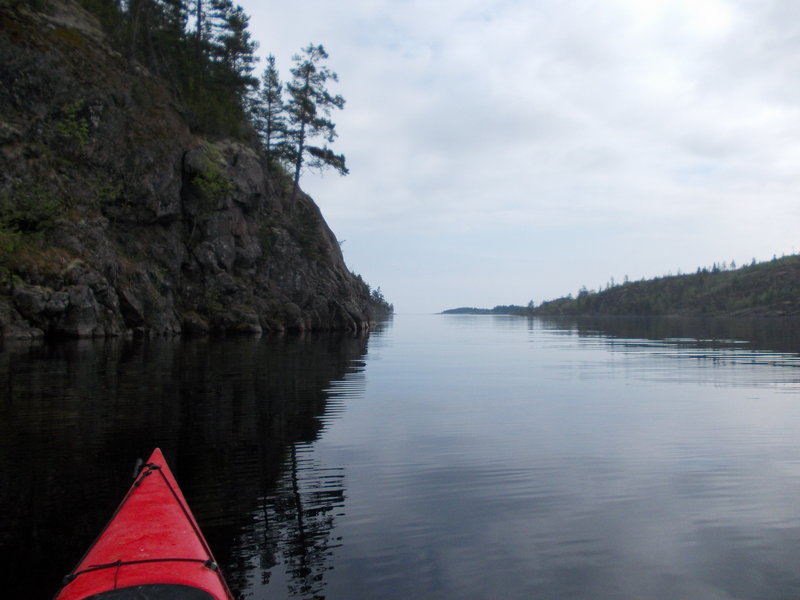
[309,109]
[203,48]
[231,44]
[268,112]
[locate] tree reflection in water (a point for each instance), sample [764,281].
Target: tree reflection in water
[298,521]
[776,335]
[236,419]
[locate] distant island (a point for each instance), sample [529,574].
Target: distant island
[497,310]
[767,289]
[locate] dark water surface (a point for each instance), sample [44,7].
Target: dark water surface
[444,457]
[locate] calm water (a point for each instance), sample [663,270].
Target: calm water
[444,457]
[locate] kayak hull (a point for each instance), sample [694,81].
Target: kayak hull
[151,549]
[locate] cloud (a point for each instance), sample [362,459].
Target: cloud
[597,119]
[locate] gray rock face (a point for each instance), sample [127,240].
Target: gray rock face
[141,226]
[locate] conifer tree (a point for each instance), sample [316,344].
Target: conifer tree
[231,43]
[239,48]
[203,48]
[308,110]
[199,21]
[176,16]
[198,15]
[268,112]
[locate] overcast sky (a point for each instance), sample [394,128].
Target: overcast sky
[508,150]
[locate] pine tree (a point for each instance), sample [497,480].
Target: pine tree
[202,47]
[231,44]
[176,16]
[268,112]
[309,109]
[198,17]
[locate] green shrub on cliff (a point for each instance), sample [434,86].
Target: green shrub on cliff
[29,209]
[73,127]
[213,186]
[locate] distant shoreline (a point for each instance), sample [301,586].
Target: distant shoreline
[497,310]
[768,289]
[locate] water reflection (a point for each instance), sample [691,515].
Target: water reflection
[758,351]
[779,335]
[295,523]
[232,416]
[480,457]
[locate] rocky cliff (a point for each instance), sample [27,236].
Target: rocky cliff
[116,218]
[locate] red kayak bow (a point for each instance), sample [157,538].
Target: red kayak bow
[151,549]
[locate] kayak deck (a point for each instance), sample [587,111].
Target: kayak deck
[151,549]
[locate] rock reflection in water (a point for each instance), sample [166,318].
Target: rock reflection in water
[479,457]
[232,416]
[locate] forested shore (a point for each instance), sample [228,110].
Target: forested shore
[766,289]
